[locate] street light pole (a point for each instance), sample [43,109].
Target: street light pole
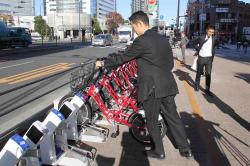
[41,9]
[178,12]
[237,26]
[201,17]
[80,18]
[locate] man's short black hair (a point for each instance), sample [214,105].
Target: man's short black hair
[210,27]
[139,16]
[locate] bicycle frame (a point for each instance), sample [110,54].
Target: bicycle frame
[125,104]
[114,94]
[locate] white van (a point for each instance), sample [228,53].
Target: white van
[35,36]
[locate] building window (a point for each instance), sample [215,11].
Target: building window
[4,5]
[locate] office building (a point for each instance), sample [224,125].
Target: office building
[68,16]
[138,5]
[103,7]
[17,7]
[151,7]
[228,16]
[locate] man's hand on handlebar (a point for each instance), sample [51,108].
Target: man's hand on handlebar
[99,64]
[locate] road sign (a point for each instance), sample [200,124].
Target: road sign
[161,17]
[152,2]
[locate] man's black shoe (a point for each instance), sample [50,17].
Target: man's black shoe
[186,153]
[152,154]
[209,93]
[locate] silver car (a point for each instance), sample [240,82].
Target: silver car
[102,40]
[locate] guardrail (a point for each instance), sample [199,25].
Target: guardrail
[22,127]
[2,113]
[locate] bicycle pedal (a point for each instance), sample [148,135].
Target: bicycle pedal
[115,134]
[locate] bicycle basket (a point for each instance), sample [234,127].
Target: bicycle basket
[80,79]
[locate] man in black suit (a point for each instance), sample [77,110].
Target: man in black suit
[156,83]
[205,52]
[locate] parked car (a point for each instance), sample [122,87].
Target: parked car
[36,36]
[102,40]
[14,36]
[20,36]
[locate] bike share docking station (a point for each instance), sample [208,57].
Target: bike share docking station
[17,146]
[58,140]
[47,142]
[86,130]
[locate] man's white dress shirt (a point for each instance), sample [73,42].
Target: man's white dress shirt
[206,49]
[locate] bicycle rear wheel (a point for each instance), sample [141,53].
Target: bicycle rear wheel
[139,129]
[83,114]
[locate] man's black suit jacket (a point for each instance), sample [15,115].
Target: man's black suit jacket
[200,41]
[154,59]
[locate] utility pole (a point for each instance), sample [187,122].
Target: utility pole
[80,1]
[237,26]
[178,12]
[201,17]
[41,9]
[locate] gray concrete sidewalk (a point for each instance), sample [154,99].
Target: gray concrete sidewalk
[213,141]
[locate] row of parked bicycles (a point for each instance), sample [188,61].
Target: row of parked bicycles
[97,94]
[111,95]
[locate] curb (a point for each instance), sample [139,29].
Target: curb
[41,48]
[19,120]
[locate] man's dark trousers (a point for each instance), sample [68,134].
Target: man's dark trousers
[201,63]
[152,110]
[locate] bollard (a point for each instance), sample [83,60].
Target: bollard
[71,40]
[56,40]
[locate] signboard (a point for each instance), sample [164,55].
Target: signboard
[161,17]
[152,2]
[192,1]
[228,20]
[152,8]
[223,1]
[222,10]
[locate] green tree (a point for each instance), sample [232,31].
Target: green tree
[41,27]
[113,19]
[96,26]
[126,22]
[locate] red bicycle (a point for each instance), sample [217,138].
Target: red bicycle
[107,97]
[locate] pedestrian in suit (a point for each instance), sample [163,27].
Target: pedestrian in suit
[205,52]
[156,83]
[183,44]
[245,44]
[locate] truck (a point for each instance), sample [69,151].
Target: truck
[14,36]
[124,33]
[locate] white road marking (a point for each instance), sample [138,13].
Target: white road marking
[16,65]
